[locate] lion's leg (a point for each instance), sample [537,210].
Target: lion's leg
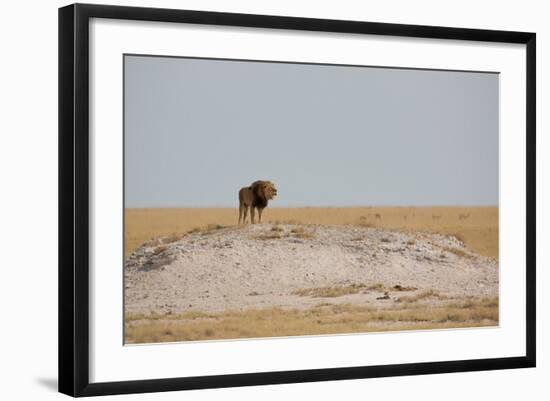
[252,214]
[260,215]
[240,213]
[245,207]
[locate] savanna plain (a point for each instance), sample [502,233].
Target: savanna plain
[194,274]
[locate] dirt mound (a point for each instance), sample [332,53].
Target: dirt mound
[298,266]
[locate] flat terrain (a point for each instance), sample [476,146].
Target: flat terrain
[289,278]
[477,227]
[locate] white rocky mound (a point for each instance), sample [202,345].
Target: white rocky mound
[265,265]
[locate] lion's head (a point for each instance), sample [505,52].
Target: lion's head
[264,189]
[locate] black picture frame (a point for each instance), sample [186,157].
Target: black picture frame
[74,199]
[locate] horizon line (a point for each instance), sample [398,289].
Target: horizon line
[316,207]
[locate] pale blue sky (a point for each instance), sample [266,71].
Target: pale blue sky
[197,130]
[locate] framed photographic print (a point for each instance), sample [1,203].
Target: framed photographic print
[251,199]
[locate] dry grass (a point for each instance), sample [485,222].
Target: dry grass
[458,252]
[479,231]
[365,224]
[159,249]
[302,233]
[305,236]
[210,228]
[419,297]
[268,236]
[322,319]
[172,238]
[337,291]
[161,243]
[278,233]
[399,287]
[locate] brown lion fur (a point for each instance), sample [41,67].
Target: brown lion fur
[256,196]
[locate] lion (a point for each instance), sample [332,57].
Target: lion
[256,196]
